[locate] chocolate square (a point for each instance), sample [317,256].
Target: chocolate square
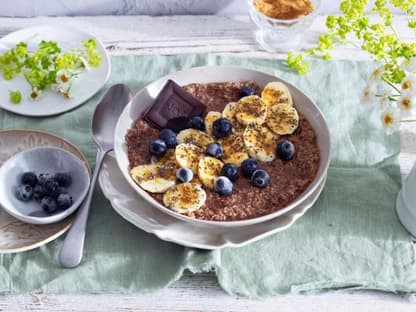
[172,108]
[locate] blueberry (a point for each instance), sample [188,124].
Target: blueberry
[64,179]
[260,178]
[64,200]
[285,150]
[248,166]
[184,174]
[29,178]
[168,136]
[38,192]
[60,190]
[50,188]
[230,171]
[157,147]
[24,192]
[223,186]
[221,128]
[48,204]
[214,150]
[246,91]
[196,122]
[43,177]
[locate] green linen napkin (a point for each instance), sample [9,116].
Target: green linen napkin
[350,239]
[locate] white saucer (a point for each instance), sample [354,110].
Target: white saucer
[52,103]
[137,211]
[15,235]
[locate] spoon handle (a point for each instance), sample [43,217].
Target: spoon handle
[72,248]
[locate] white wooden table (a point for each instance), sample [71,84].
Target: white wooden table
[190,34]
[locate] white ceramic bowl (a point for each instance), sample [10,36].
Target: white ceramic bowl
[41,160]
[145,98]
[130,205]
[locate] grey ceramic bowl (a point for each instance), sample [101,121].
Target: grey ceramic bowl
[41,160]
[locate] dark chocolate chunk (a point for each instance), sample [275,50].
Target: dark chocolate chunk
[172,108]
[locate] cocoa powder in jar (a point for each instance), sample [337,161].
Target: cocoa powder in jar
[284,9]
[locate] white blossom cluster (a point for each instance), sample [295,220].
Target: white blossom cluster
[396,102]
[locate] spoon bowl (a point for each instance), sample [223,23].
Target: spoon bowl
[107,113]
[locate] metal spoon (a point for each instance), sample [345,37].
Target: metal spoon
[104,122]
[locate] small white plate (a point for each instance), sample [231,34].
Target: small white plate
[132,207]
[41,160]
[51,103]
[15,235]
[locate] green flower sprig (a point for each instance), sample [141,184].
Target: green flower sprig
[47,66]
[384,45]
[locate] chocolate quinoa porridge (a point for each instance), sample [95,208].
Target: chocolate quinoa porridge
[288,179]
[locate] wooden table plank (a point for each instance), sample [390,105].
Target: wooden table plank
[183,34]
[201,293]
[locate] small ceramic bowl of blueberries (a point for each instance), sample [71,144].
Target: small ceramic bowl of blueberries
[43,185]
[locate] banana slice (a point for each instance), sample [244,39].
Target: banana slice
[282,119]
[187,155]
[209,120]
[229,113]
[154,178]
[260,142]
[234,150]
[185,197]
[209,168]
[195,137]
[251,109]
[167,160]
[276,93]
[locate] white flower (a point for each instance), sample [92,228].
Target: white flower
[65,91]
[385,100]
[367,96]
[62,77]
[409,65]
[409,83]
[376,75]
[34,94]
[390,119]
[406,103]
[63,83]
